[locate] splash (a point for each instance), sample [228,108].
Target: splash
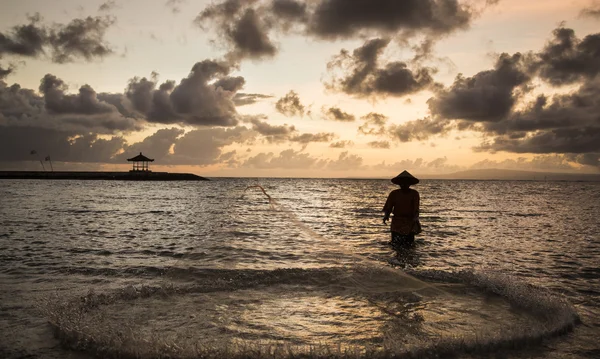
[257,314]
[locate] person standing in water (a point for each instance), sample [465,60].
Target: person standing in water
[404,204]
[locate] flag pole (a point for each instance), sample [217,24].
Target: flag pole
[50,160]
[34,152]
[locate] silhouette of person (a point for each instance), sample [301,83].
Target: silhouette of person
[404,204]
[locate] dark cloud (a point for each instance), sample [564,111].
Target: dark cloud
[487,96]
[307,138]
[79,39]
[344,19]
[593,11]
[273,134]
[17,142]
[379,144]
[567,59]
[232,84]
[374,124]
[204,146]
[25,40]
[336,114]
[565,140]
[4,72]
[362,74]
[420,130]
[157,146]
[58,102]
[19,104]
[55,109]
[241,27]
[290,105]
[587,159]
[243,99]
[290,10]
[195,101]
[566,123]
[341,144]
[247,26]
[108,5]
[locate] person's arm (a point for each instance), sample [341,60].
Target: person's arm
[387,208]
[417,204]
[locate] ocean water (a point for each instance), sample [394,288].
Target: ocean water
[506,269]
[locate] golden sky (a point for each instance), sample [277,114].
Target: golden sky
[301,88]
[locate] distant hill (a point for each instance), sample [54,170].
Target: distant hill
[498,174]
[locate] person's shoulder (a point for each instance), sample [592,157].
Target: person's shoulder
[414,191]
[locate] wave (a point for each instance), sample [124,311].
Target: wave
[399,312]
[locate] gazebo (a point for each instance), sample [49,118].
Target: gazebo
[140,163]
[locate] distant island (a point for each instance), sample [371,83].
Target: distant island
[499,174]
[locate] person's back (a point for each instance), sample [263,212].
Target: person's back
[404,204]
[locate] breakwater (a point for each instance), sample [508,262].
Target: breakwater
[124,176]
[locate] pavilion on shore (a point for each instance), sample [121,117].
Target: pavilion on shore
[140,163]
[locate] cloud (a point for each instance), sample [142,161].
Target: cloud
[108,5]
[241,27]
[194,101]
[79,39]
[25,40]
[487,96]
[79,114]
[592,11]
[287,159]
[374,124]
[58,102]
[418,166]
[231,84]
[157,145]
[341,144]
[345,162]
[360,73]
[290,105]
[565,123]
[248,26]
[379,144]
[567,59]
[243,99]
[273,134]
[420,130]
[290,10]
[336,114]
[4,72]
[334,19]
[558,163]
[16,143]
[307,138]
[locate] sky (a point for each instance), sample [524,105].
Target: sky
[301,88]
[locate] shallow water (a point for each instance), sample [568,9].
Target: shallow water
[218,265]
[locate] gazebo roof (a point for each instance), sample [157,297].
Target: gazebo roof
[140,158]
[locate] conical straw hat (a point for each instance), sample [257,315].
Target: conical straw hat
[405,178]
